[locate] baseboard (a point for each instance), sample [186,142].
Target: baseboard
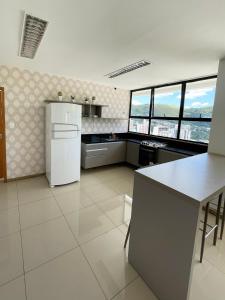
[25,177]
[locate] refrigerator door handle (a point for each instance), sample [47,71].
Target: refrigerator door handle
[65,130]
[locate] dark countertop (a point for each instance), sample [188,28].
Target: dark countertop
[180,150]
[173,146]
[95,139]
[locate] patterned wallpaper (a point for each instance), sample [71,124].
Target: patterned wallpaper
[24,95]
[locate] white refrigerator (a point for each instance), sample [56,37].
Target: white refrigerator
[63,143]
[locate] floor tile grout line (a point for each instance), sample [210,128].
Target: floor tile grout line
[65,219]
[107,231]
[116,225]
[21,242]
[83,208]
[127,285]
[51,259]
[38,224]
[76,210]
[214,265]
[54,219]
[85,257]
[9,234]
[33,201]
[92,239]
[11,280]
[94,274]
[9,208]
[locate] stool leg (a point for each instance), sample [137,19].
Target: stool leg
[204,231]
[126,239]
[223,221]
[217,219]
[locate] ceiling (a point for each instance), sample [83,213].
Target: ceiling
[87,39]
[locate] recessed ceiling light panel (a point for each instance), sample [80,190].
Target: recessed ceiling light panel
[32,34]
[132,67]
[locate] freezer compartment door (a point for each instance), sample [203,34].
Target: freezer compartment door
[66,113]
[64,127]
[65,134]
[65,161]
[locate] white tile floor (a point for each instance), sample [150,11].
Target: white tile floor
[67,243]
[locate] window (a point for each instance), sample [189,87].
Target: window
[140,103]
[165,128]
[199,99]
[167,101]
[195,131]
[139,112]
[139,125]
[180,111]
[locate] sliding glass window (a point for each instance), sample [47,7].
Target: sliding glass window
[198,107]
[140,103]
[179,111]
[139,112]
[139,125]
[165,108]
[199,99]
[167,101]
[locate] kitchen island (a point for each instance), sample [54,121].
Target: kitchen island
[165,220]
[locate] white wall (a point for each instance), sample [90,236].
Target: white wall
[217,134]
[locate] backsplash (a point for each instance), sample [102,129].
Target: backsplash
[25,92]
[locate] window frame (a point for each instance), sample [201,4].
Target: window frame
[180,118]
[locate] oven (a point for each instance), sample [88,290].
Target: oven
[147,155]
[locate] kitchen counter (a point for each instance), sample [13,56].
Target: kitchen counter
[100,139]
[180,150]
[95,139]
[166,219]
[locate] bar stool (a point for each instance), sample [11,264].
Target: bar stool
[206,226]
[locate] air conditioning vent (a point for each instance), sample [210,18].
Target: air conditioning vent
[132,67]
[32,34]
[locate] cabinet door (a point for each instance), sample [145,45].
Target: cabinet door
[103,154]
[93,155]
[116,152]
[133,153]
[166,156]
[65,113]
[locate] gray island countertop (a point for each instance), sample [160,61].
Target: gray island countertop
[198,177]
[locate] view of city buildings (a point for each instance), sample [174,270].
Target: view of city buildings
[169,129]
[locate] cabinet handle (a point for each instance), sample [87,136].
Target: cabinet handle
[92,150]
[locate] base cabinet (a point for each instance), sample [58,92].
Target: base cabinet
[96,155]
[165,156]
[132,156]
[101,154]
